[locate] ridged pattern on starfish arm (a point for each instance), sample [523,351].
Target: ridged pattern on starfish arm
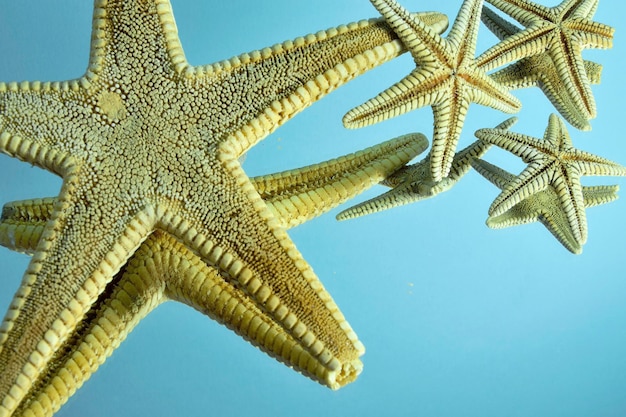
[552,161]
[562,32]
[540,70]
[414,183]
[293,196]
[446,78]
[544,206]
[296,196]
[148,144]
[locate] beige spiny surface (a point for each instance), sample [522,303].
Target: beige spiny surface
[148,150]
[561,32]
[446,77]
[552,162]
[544,206]
[293,196]
[541,70]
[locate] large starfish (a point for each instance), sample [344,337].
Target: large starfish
[562,32]
[554,162]
[148,149]
[413,183]
[541,70]
[544,206]
[446,78]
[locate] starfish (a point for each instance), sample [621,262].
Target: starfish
[446,78]
[541,70]
[413,183]
[554,162]
[561,32]
[148,149]
[543,206]
[294,196]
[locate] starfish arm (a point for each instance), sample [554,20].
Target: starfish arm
[528,42]
[293,75]
[23,222]
[94,336]
[464,32]
[570,68]
[405,193]
[422,41]
[183,273]
[499,26]
[599,194]
[45,309]
[519,144]
[422,87]
[524,11]
[590,34]
[271,270]
[299,195]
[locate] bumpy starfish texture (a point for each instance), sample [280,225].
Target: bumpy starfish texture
[414,183]
[293,196]
[148,149]
[296,196]
[544,206]
[554,162]
[561,32]
[541,70]
[446,78]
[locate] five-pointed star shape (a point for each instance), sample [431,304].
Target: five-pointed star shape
[413,183]
[446,78]
[148,148]
[541,70]
[544,206]
[562,32]
[554,162]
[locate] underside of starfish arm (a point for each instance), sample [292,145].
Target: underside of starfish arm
[48,305]
[257,255]
[412,92]
[296,196]
[22,223]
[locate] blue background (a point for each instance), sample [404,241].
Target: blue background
[457,319]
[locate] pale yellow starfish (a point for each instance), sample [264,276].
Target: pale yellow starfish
[148,149]
[414,182]
[446,78]
[562,32]
[554,162]
[544,206]
[293,196]
[541,70]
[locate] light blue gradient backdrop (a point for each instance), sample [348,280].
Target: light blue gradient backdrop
[457,319]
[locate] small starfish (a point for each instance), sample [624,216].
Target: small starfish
[414,182]
[561,32]
[541,70]
[294,196]
[552,161]
[544,206]
[446,78]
